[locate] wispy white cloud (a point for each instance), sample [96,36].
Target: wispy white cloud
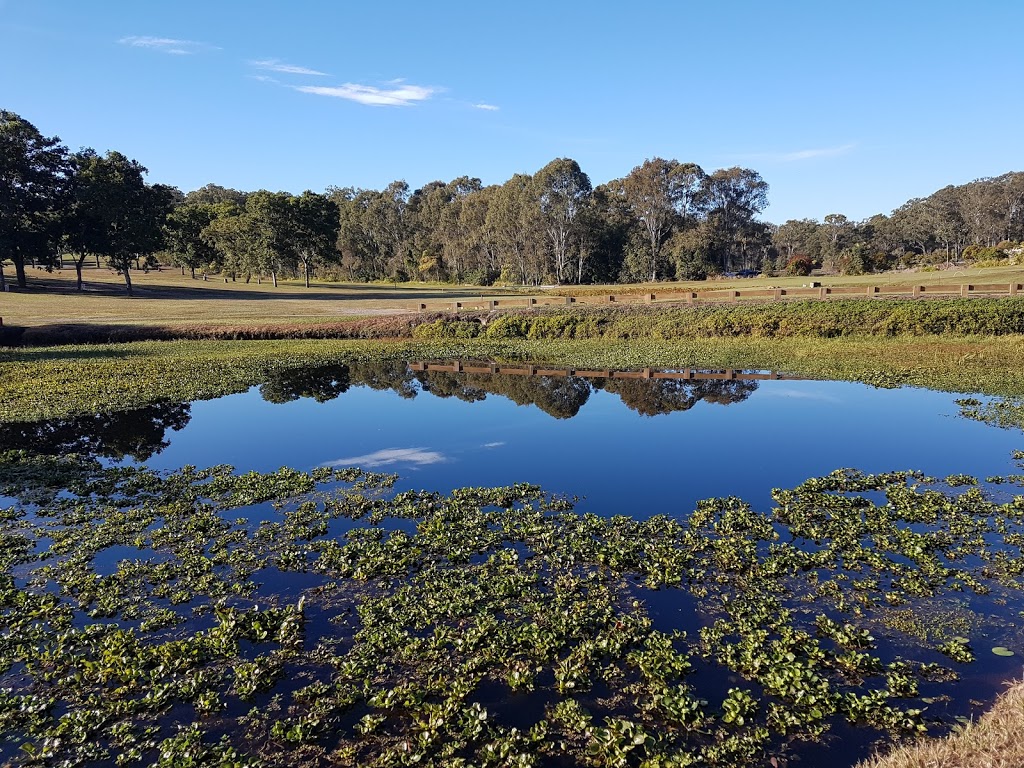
[494,445]
[808,154]
[488,107]
[797,394]
[800,154]
[401,95]
[263,78]
[416,456]
[274,65]
[167,45]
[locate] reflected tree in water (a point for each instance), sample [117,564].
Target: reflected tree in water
[651,397]
[322,383]
[138,433]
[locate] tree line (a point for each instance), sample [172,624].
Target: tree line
[663,220]
[981,220]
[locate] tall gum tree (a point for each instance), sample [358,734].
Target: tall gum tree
[661,194]
[562,190]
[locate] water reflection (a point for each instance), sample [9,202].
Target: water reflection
[138,434]
[561,393]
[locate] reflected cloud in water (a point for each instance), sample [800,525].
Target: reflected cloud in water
[416,457]
[799,394]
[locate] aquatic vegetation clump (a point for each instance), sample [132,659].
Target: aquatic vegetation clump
[211,617]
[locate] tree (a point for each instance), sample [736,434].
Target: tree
[214,194]
[184,233]
[513,223]
[562,190]
[311,230]
[661,194]
[34,180]
[117,214]
[796,236]
[733,197]
[834,232]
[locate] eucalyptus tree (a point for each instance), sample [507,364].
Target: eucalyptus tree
[214,194]
[561,191]
[661,193]
[732,197]
[797,236]
[453,228]
[513,222]
[35,175]
[835,232]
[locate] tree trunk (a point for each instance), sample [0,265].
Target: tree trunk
[3,278]
[19,271]
[274,276]
[78,273]
[183,272]
[193,272]
[305,268]
[128,281]
[97,261]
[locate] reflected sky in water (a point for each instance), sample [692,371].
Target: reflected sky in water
[773,434]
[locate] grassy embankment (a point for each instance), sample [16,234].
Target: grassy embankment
[994,741]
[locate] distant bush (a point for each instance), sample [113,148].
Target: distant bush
[800,265]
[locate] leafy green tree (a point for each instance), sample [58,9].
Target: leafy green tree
[513,222]
[184,233]
[116,214]
[310,231]
[797,236]
[661,193]
[732,197]
[35,176]
[562,191]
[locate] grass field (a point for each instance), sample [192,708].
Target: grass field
[168,298]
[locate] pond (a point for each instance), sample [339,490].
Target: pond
[647,444]
[623,445]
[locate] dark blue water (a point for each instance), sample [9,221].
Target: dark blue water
[774,434]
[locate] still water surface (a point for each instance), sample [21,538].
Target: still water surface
[581,437]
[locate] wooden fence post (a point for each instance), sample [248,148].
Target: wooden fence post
[823,292]
[569,300]
[965,290]
[492,305]
[778,293]
[690,296]
[873,289]
[456,306]
[916,292]
[531,303]
[1013,289]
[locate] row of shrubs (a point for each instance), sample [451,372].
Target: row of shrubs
[813,319]
[807,319]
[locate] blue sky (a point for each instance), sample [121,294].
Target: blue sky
[841,107]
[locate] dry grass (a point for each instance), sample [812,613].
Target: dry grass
[994,741]
[959,276]
[166,297]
